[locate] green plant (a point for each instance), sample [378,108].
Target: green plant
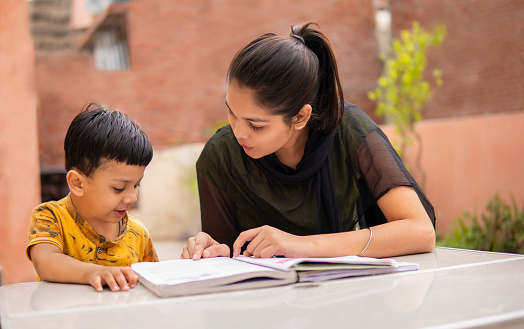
[499,228]
[402,89]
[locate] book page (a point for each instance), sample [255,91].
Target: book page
[286,264]
[180,271]
[330,266]
[322,275]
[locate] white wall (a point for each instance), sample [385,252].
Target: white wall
[168,201]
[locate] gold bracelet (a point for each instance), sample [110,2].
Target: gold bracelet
[370,236]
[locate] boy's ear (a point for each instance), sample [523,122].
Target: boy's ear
[76,181]
[300,120]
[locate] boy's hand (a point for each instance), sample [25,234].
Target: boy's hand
[52,265]
[115,277]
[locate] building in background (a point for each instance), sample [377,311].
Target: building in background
[482,57]
[164,63]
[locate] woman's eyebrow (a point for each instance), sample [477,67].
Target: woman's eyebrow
[248,119]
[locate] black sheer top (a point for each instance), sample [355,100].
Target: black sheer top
[358,166]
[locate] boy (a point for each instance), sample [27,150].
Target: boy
[88,237]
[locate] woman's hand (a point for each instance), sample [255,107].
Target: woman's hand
[203,245]
[267,241]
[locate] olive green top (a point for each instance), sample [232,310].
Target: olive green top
[236,194]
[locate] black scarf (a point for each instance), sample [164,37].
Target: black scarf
[314,167]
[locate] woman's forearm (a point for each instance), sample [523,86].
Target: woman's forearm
[396,238]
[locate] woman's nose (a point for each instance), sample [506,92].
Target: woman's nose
[241,130]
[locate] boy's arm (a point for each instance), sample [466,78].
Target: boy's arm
[52,265]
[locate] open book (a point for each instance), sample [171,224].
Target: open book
[180,277]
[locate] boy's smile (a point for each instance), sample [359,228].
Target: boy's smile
[107,195]
[120,213]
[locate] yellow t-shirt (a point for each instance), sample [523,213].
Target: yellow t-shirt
[58,223]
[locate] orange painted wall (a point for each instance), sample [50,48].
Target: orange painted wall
[468,160]
[19,170]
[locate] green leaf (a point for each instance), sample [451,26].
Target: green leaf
[500,228]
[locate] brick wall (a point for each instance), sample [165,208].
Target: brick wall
[482,57]
[66,82]
[180,52]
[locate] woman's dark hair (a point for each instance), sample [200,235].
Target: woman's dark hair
[288,73]
[102,133]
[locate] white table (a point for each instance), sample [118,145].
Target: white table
[453,289]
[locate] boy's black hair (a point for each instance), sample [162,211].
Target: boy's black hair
[102,133]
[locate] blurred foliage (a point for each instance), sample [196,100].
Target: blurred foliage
[500,228]
[402,89]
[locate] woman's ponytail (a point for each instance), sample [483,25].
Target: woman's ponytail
[328,109]
[288,73]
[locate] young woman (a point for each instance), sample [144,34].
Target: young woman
[298,167]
